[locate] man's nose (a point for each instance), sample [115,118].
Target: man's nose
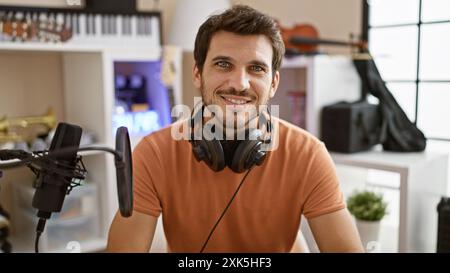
[240,80]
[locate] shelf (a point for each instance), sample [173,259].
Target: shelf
[49,47]
[60,47]
[305,74]
[384,160]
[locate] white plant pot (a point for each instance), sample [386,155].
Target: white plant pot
[369,232]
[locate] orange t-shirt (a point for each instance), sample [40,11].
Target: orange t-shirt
[297,178]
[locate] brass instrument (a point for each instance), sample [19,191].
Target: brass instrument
[17,129]
[11,137]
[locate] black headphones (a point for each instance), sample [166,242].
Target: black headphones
[246,154]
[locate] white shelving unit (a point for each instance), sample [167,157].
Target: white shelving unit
[422,180]
[325,79]
[88,74]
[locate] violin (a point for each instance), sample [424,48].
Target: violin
[304,39]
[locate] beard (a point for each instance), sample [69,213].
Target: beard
[233,123]
[231,117]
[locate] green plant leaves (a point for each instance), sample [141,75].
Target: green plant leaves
[367,206]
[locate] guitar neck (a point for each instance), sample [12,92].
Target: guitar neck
[313,41]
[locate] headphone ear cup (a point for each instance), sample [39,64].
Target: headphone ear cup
[240,163]
[210,151]
[244,155]
[248,153]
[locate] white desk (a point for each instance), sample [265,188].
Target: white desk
[423,180]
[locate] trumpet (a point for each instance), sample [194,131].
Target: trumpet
[10,126]
[10,137]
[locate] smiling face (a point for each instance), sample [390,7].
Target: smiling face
[237,72]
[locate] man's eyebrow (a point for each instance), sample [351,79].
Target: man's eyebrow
[260,63]
[222,58]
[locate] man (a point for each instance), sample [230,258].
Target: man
[207,207]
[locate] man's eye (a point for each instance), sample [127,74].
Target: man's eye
[223,64]
[257,68]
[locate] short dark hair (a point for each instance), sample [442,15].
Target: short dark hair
[243,20]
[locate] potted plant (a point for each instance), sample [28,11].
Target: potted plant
[368,208]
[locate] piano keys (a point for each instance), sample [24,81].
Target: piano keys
[127,29]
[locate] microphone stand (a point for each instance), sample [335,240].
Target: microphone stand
[36,156]
[41,161]
[5,246]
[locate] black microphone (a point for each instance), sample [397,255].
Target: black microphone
[51,187]
[124,168]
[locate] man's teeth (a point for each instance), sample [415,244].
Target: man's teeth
[235,101]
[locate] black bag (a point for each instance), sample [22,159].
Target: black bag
[401,135]
[443,240]
[349,127]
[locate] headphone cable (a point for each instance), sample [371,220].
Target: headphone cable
[224,211]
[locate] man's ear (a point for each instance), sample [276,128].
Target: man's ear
[274,86]
[196,76]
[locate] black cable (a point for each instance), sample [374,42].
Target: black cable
[39,229]
[36,242]
[225,210]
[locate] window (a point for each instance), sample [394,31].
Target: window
[409,40]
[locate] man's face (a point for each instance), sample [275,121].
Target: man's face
[237,72]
